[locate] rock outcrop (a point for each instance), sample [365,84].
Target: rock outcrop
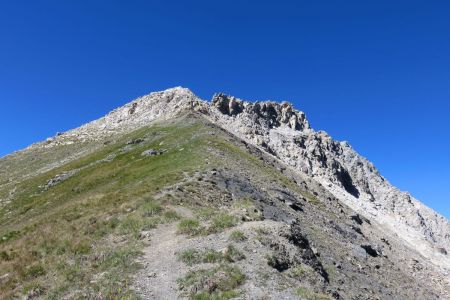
[285,132]
[266,114]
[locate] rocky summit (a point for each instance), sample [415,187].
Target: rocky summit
[174,197]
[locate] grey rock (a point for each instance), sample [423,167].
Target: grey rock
[135,141]
[370,250]
[150,152]
[58,179]
[357,219]
[442,251]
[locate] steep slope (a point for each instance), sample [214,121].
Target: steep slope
[171,196]
[286,133]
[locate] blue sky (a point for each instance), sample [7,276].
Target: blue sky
[375,73]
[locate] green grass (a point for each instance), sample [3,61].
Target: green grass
[34,287]
[189,227]
[206,213]
[212,256]
[192,256]
[34,271]
[66,233]
[9,236]
[170,215]
[300,272]
[216,283]
[251,212]
[151,208]
[262,231]
[216,296]
[237,236]
[222,221]
[232,254]
[218,222]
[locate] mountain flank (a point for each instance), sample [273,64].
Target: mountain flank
[173,197]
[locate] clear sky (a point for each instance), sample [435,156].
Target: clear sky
[375,73]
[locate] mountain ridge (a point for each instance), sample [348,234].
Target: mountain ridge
[173,101]
[281,133]
[274,122]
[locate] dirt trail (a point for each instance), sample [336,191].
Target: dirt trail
[158,278]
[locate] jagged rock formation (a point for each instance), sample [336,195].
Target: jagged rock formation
[380,228]
[266,114]
[349,176]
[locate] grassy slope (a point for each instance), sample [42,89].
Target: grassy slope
[79,237]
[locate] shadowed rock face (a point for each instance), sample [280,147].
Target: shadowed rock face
[227,105]
[267,114]
[346,181]
[306,254]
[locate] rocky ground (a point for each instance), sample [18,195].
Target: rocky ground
[293,244]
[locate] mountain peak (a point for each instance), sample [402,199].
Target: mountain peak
[174,101]
[177,90]
[329,219]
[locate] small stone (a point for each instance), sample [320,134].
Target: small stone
[357,219]
[135,141]
[3,277]
[442,251]
[150,152]
[370,250]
